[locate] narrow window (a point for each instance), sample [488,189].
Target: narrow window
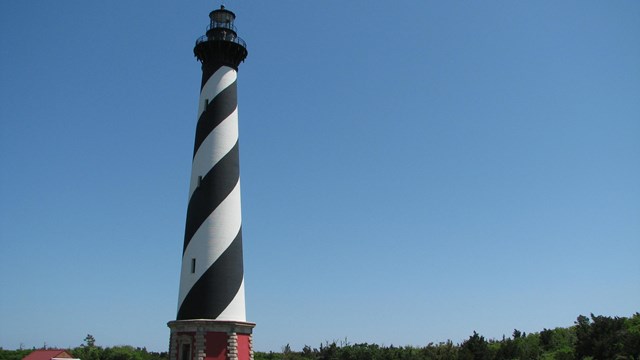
[199,180]
[185,353]
[193,265]
[206,103]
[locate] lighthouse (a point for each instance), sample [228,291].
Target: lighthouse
[211,322]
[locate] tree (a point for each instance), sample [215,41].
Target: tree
[89,340]
[88,350]
[546,339]
[121,353]
[602,337]
[528,346]
[558,343]
[507,350]
[584,342]
[517,334]
[442,351]
[632,337]
[475,348]
[607,336]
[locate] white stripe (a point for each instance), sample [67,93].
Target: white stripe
[217,144]
[213,237]
[219,81]
[236,309]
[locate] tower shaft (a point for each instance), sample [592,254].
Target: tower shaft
[212,279]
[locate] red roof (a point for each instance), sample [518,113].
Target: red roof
[47,355]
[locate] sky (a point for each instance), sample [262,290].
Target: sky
[412,171]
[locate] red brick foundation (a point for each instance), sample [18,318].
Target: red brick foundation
[210,340]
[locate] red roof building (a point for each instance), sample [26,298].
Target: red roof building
[48,355]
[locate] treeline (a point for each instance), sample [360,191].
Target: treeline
[13,354]
[596,338]
[90,351]
[591,338]
[117,353]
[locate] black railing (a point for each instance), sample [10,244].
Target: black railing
[223,25]
[222,37]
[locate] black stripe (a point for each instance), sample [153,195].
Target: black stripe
[214,188]
[208,70]
[217,287]
[219,109]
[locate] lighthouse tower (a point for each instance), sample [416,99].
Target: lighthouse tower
[211,322]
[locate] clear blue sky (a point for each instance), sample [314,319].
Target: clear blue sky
[412,171]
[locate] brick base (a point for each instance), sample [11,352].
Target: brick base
[210,340]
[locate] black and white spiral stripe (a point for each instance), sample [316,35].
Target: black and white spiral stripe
[214,287]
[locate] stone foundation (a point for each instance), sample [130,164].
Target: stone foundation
[210,340]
